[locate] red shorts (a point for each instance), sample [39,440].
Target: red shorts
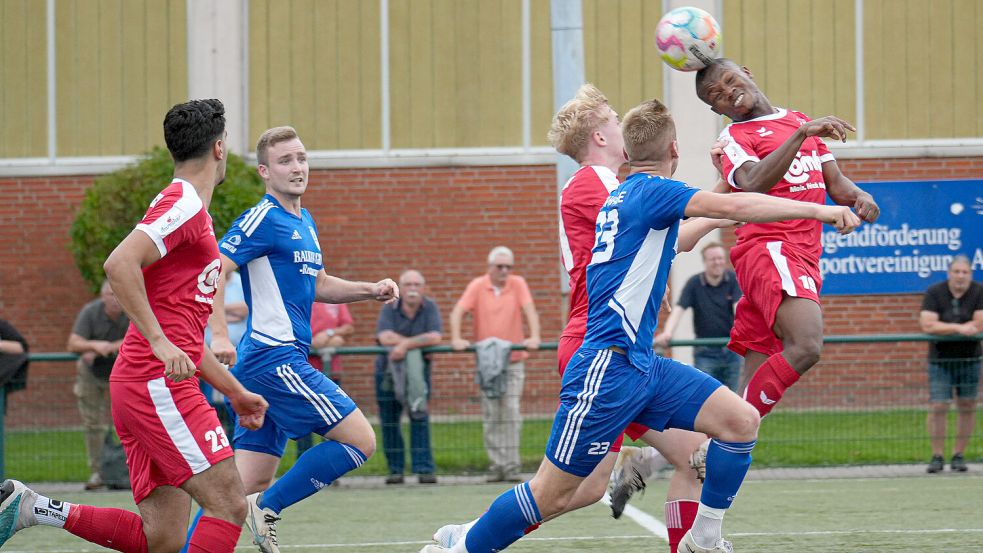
[767,272]
[565,348]
[168,431]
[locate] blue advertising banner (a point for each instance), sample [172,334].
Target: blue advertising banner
[923,225]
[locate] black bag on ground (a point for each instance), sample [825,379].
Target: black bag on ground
[112,464]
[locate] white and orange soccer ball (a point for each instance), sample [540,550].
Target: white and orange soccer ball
[688,39]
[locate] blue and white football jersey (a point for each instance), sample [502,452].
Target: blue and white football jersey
[635,244]
[279,258]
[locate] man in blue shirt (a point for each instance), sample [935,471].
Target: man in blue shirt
[275,246]
[615,378]
[412,322]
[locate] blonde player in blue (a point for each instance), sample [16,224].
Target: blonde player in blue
[615,378]
[275,246]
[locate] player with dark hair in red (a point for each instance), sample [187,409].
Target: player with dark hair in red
[164,274]
[778,324]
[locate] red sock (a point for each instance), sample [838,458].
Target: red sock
[766,387]
[532,528]
[214,535]
[113,528]
[680,515]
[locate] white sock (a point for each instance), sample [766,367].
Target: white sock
[51,512]
[652,462]
[707,526]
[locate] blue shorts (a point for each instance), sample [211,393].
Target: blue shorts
[602,392]
[302,400]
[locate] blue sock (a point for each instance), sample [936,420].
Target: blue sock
[319,466]
[191,530]
[727,464]
[505,522]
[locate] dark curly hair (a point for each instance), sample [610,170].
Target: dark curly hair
[192,127]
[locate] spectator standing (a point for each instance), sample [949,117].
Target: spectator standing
[497,302]
[411,323]
[953,307]
[97,335]
[330,324]
[712,296]
[13,358]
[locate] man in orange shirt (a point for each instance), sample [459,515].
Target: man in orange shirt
[497,301]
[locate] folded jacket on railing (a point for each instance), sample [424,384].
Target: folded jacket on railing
[492,355]
[410,383]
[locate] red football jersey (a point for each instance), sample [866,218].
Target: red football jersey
[754,139]
[180,285]
[580,201]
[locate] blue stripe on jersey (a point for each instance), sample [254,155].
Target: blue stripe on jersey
[636,229]
[279,257]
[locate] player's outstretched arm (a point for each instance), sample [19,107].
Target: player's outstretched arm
[759,208]
[124,268]
[332,289]
[844,191]
[763,175]
[691,230]
[221,345]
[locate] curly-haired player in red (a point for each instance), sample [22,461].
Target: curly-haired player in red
[778,325]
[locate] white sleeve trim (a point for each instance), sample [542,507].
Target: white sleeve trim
[826,157]
[736,154]
[155,236]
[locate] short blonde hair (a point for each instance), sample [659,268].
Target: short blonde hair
[577,119]
[648,130]
[271,138]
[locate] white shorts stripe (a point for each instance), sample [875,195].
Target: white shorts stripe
[565,434]
[575,418]
[175,426]
[288,380]
[310,394]
[589,401]
[781,264]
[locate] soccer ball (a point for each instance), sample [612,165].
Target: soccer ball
[688,39]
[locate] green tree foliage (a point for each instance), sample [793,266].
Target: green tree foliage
[116,202]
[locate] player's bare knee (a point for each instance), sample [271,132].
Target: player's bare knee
[594,490]
[365,443]
[164,540]
[230,508]
[742,425]
[802,353]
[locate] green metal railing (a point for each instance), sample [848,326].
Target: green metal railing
[857,409]
[551,346]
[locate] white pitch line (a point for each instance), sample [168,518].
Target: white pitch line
[643,519]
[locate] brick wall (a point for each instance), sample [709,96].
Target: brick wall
[443,221]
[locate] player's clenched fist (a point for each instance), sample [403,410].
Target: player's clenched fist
[224,351]
[840,217]
[386,291]
[177,364]
[866,207]
[251,409]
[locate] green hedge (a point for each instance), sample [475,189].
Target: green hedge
[116,202]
